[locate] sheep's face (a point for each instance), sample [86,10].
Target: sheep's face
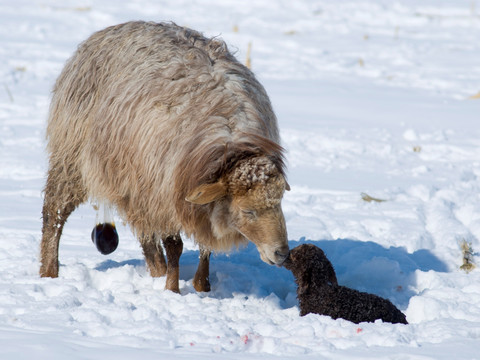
[251,198]
[258,216]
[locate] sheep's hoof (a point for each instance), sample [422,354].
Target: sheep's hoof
[49,271]
[201,285]
[175,290]
[172,286]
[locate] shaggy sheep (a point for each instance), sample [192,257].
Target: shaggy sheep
[318,291]
[169,128]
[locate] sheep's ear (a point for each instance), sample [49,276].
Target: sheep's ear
[287,186]
[206,193]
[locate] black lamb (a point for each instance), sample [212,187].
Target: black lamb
[318,291]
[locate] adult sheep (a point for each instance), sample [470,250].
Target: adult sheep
[170,129]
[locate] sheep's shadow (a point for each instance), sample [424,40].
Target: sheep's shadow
[365,266]
[112,264]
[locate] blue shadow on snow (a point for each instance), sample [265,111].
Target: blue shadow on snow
[365,266]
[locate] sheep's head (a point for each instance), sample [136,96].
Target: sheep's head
[249,202]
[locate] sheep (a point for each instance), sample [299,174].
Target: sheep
[318,291]
[166,126]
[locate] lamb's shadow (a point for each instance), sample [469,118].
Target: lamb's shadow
[365,266]
[370,267]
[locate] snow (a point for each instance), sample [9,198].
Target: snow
[372,97]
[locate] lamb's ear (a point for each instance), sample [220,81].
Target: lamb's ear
[206,193]
[304,283]
[287,186]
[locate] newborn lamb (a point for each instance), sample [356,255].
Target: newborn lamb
[318,291]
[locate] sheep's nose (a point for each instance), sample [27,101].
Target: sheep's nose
[281,255]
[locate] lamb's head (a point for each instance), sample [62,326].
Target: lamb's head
[249,202]
[309,264]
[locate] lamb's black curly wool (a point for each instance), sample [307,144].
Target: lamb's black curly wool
[319,293]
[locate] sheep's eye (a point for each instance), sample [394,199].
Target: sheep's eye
[250,213]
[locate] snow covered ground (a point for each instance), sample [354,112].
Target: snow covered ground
[372,97]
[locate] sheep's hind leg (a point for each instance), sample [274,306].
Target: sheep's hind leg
[173,247]
[201,281]
[63,194]
[153,252]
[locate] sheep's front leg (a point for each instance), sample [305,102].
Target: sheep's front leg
[201,281]
[173,247]
[153,252]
